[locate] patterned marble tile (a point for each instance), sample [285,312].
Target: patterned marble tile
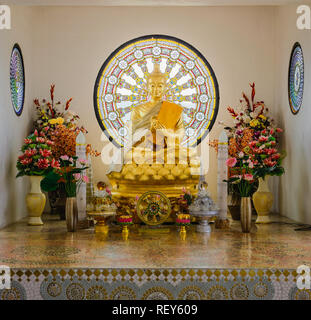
[51,246]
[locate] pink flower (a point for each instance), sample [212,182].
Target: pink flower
[241,155]
[85,179]
[248,177]
[36,133]
[77,176]
[64,157]
[109,192]
[82,161]
[136,198]
[231,162]
[251,165]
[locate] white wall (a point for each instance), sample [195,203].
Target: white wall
[295,185]
[13,129]
[71,44]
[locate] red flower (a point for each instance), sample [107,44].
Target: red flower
[55,164]
[43,163]
[68,104]
[30,152]
[52,92]
[37,103]
[36,133]
[28,141]
[253,144]
[49,142]
[26,161]
[233,113]
[279,130]
[263,139]
[45,152]
[40,140]
[276,156]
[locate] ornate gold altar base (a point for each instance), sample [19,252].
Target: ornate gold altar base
[125,190]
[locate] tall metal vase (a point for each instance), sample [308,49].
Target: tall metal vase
[246,214]
[71,214]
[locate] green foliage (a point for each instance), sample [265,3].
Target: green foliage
[50,182]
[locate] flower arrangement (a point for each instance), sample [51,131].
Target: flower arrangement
[252,144]
[51,114]
[125,220]
[36,159]
[185,200]
[183,220]
[64,139]
[67,174]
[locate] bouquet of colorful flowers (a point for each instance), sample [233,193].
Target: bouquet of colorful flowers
[252,144]
[36,159]
[185,200]
[68,174]
[183,220]
[51,114]
[241,175]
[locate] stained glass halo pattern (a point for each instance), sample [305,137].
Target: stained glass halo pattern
[121,85]
[17,79]
[296,78]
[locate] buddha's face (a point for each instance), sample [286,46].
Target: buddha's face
[156,87]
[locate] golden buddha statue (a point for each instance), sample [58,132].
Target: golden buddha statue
[154,159]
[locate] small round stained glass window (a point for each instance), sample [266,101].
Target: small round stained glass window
[17,79]
[121,85]
[296,78]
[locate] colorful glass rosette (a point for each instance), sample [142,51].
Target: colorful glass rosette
[121,85]
[296,78]
[17,79]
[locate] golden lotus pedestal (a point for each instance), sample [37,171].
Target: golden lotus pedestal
[101,219]
[166,179]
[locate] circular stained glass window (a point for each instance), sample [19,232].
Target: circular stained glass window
[296,78]
[17,79]
[121,85]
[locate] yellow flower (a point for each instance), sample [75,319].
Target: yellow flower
[59,120]
[254,123]
[53,121]
[263,117]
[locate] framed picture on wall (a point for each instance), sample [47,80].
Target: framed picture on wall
[296,78]
[17,79]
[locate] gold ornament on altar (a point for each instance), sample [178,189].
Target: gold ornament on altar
[155,160]
[153,208]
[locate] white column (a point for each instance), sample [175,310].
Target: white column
[81,193]
[222,175]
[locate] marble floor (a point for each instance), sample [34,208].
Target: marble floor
[276,245]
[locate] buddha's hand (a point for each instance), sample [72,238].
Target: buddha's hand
[155,124]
